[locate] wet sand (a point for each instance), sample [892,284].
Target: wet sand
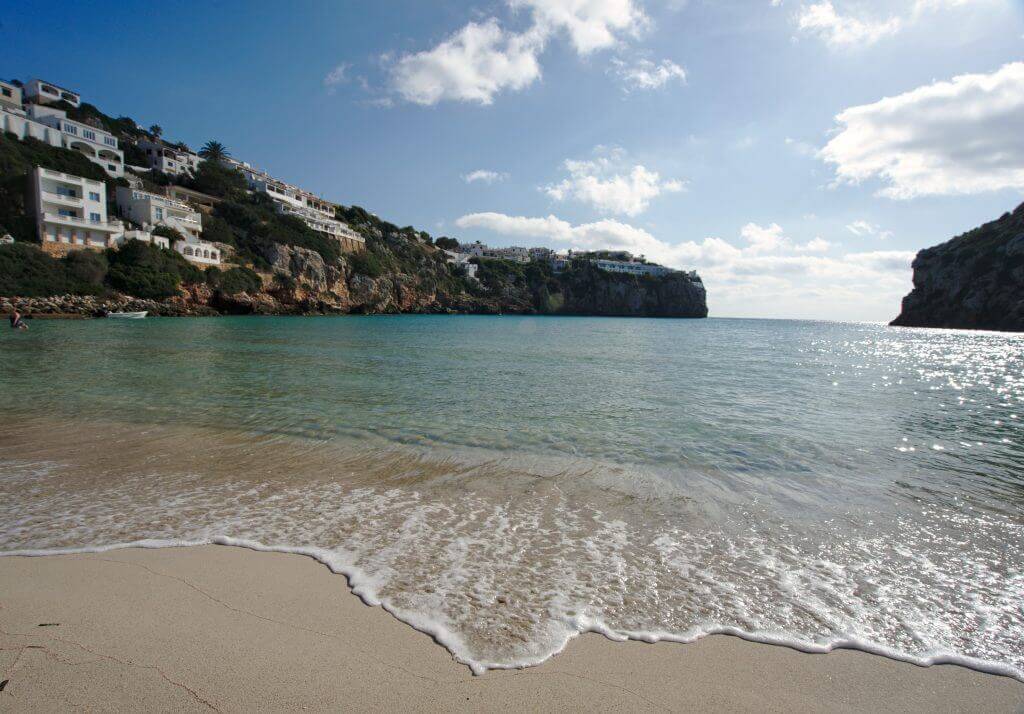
[228,629]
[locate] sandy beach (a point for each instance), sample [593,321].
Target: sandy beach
[229,629]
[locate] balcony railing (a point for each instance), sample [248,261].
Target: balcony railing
[61,197]
[85,223]
[68,177]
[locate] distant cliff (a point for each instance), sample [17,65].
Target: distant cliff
[974,281]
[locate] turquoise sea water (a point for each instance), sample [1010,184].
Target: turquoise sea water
[506,482]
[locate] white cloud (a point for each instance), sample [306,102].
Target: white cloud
[591,24]
[602,184]
[483,59]
[864,228]
[643,74]
[957,137]
[843,30]
[769,276]
[484,176]
[338,75]
[472,65]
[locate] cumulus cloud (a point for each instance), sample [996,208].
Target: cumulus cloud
[472,65]
[591,24]
[483,59]
[606,185]
[843,30]
[643,74]
[765,274]
[484,176]
[961,136]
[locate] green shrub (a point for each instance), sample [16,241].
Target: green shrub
[86,271]
[235,280]
[447,243]
[147,271]
[27,271]
[171,234]
[217,179]
[217,230]
[366,263]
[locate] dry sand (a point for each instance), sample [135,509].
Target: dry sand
[228,629]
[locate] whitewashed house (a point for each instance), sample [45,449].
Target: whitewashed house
[149,209]
[99,146]
[70,212]
[169,158]
[38,91]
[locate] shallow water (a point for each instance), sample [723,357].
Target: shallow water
[507,482]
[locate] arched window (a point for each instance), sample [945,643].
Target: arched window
[188,251]
[213,254]
[206,254]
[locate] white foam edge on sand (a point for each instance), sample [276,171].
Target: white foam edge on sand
[362,585]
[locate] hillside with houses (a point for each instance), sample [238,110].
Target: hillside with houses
[99,213]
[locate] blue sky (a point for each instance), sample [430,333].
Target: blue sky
[702,134]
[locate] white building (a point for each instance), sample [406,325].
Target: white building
[462,260]
[10,96]
[199,251]
[39,92]
[143,236]
[99,146]
[315,212]
[168,158]
[514,253]
[632,268]
[15,120]
[70,212]
[148,209]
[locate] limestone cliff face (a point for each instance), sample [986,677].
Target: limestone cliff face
[974,281]
[594,292]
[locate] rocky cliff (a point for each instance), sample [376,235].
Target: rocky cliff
[974,281]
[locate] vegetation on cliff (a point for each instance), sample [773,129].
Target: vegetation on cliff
[279,264]
[974,281]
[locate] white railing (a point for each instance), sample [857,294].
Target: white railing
[54,196]
[68,177]
[99,225]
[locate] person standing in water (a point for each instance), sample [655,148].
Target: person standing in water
[16,322]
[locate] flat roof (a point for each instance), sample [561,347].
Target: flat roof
[57,86]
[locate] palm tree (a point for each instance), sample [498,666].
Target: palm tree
[214,151]
[156,130]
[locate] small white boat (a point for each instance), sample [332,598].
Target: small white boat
[127,315]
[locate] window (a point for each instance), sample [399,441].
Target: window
[49,90]
[94,217]
[93,196]
[159,214]
[90,135]
[69,96]
[110,141]
[7,92]
[111,167]
[71,129]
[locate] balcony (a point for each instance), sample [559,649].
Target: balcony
[61,198]
[83,222]
[69,178]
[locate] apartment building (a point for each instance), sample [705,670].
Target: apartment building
[99,146]
[200,201]
[170,159]
[315,212]
[149,209]
[38,91]
[70,212]
[10,96]
[632,268]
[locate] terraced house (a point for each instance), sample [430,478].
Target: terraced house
[70,212]
[315,212]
